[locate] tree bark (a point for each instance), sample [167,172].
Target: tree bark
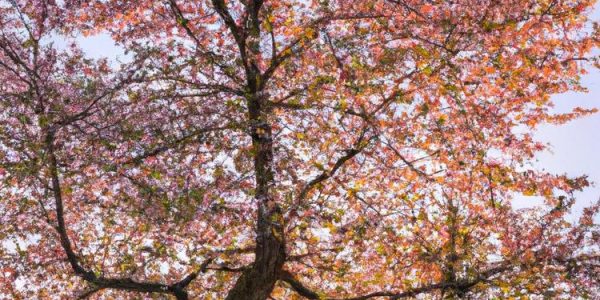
[257,282]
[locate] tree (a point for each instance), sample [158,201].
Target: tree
[286,149]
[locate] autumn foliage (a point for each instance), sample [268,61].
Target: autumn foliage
[331,149]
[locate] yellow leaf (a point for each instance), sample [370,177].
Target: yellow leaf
[529,192]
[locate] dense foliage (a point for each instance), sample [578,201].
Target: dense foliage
[329,149]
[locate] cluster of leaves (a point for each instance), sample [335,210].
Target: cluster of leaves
[319,149]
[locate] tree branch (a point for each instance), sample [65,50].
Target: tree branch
[350,153]
[99,283]
[463,285]
[302,290]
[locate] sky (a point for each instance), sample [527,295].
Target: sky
[574,147]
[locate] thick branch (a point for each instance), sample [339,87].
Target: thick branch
[61,227]
[298,286]
[99,283]
[463,285]
[236,31]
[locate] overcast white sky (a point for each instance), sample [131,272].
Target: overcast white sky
[575,146]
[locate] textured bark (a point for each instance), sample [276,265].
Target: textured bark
[258,281]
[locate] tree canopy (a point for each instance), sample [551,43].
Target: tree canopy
[319,149]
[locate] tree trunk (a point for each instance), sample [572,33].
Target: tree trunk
[257,282]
